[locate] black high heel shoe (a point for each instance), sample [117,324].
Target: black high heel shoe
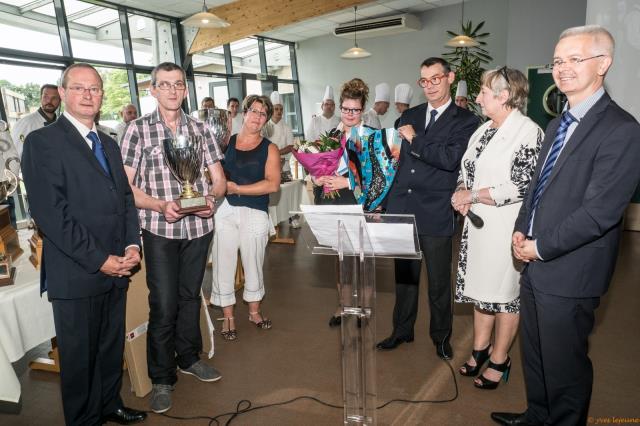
[503,368]
[480,357]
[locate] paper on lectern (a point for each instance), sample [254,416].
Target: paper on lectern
[383,238]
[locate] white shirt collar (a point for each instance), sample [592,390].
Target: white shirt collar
[81,128]
[440,109]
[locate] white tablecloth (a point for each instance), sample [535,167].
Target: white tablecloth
[26,320]
[289,198]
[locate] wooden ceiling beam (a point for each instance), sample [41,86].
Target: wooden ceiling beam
[250,17]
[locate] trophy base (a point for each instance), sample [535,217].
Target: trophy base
[192,205]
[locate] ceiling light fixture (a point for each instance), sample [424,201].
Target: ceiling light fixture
[462,40]
[355,52]
[205,19]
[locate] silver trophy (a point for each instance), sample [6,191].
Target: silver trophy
[218,121]
[183,155]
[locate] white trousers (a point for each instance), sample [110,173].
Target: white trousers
[248,230]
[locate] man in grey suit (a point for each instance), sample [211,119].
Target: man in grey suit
[569,228]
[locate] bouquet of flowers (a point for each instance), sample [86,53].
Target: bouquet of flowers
[320,157]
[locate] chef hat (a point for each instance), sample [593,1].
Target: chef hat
[403,93]
[328,94]
[462,89]
[275,98]
[382,93]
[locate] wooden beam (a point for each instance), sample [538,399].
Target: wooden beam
[249,17]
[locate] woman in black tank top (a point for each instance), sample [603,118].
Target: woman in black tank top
[252,168]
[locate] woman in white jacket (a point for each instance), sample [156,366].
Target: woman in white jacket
[494,175]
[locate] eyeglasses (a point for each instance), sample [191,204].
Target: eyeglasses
[261,114]
[503,72]
[435,80]
[80,90]
[165,85]
[352,111]
[572,61]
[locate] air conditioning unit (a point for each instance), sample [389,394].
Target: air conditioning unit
[377,27]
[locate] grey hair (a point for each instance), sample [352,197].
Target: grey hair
[603,40]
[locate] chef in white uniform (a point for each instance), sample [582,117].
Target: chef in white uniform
[45,115]
[322,124]
[279,132]
[381,104]
[403,94]
[461,95]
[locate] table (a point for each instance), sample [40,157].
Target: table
[288,199]
[26,320]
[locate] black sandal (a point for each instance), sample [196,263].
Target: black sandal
[480,358]
[503,368]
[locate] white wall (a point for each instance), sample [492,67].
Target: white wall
[523,33]
[622,19]
[534,27]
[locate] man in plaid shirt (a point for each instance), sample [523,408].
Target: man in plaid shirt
[175,245]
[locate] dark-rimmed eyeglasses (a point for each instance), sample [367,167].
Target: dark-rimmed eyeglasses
[165,85]
[352,111]
[572,61]
[259,113]
[435,80]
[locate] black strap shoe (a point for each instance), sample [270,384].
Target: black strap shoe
[519,419]
[393,342]
[125,416]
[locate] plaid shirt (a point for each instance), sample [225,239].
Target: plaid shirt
[141,148]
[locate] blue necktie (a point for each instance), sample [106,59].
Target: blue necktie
[433,113]
[98,151]
[554,153]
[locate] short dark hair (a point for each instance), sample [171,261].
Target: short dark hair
[264,100]
[233,99]
[65,74]
[429,62]
[208,99]
[47,86]
[166,66]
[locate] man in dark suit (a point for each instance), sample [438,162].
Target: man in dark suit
[81,200]
[568,230]
[435,136]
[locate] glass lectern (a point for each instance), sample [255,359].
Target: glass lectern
[357,239]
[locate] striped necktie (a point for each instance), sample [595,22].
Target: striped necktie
[98,151]
[554,153]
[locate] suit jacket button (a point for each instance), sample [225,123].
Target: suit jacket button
[409,190]
[413,170]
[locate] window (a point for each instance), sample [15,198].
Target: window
[35,27]
[94,31]
[116,94]
[21,88]
[278,60]
[151,40]
[215,87]
[287,93]
[147,102]
[245,57]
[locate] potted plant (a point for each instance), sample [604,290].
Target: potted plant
[468,61]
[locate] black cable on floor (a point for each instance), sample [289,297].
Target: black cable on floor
[245,405]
